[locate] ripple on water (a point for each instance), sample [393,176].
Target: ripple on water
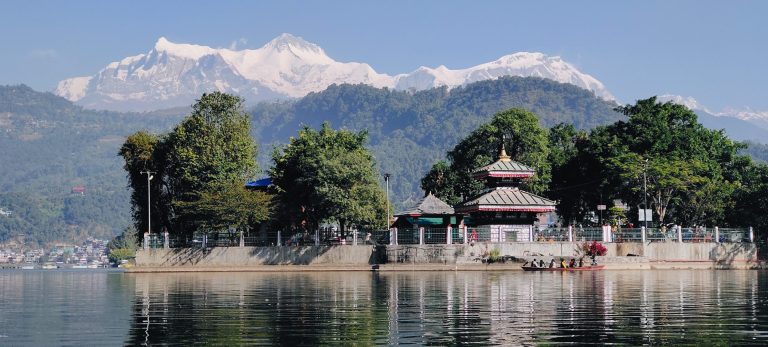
[439,308]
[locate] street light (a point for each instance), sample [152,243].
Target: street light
[149,201]
[386,180]
[645,196]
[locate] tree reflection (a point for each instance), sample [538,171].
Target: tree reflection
[449,308]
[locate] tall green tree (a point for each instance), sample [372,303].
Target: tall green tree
[327,175]
[138,152]
[196,162]
[526,142]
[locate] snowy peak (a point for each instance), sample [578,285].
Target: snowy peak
[187,51]
[288,42]
[687,101]
[525,64]
[175,74]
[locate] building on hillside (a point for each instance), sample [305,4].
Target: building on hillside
[503,212]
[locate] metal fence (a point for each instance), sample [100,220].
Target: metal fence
[628,235]
[588,234]
[552,234]
[730,235]
[412,236]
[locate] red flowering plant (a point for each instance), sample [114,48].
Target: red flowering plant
[593,249]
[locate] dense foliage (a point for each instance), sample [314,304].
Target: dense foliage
[327,176]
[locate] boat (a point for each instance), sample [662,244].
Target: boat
[48,266]
[560,269]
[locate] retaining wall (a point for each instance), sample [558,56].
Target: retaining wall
[655,251]
[251,256]
[434,254]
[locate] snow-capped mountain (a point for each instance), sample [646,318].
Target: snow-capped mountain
[518,64]
[742,125]
[173,74]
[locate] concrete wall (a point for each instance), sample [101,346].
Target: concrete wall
[672,251]
[250,256]
[433,254]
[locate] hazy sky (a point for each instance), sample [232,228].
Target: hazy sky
[716,52]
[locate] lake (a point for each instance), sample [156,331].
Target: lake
[110,308]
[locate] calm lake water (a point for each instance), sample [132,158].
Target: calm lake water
[108,308]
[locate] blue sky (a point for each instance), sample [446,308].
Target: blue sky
[716,52]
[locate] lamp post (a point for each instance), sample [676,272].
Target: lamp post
[149,200]
[645,196]
[386,180]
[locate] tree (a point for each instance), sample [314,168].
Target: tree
[573,182]
[138,152]
[327,175]
[526,142]
[688,168]
[196,162]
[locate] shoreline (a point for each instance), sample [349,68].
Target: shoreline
[623,266]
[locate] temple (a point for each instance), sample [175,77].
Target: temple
[503,212]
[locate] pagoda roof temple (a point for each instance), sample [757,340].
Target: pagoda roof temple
[502,194]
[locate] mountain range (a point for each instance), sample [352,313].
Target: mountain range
[174,74]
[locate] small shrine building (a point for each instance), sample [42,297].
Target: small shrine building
[431,221]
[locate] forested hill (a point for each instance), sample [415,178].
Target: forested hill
[50,150]
[410,131]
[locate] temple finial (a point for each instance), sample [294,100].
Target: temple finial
[503,154]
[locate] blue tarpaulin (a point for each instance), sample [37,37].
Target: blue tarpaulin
[261,183]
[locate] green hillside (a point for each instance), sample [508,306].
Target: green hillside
[50,149]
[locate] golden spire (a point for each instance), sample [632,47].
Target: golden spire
[503,154]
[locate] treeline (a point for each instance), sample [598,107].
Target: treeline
[197,174]
[660,158]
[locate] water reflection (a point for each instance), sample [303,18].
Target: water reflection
[64,307]
[634,307]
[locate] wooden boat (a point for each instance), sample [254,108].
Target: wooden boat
[560,269]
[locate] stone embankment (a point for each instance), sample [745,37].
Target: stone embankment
[471,257]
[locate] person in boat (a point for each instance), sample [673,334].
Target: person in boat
[541,262]
[533,263]
[552,263]
[581,262]
[572,264]
[563,264]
